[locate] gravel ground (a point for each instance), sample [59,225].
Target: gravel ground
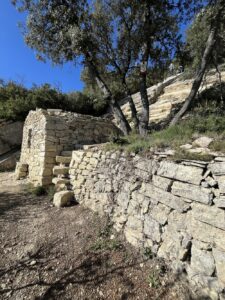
[72,253]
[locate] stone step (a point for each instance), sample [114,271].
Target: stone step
[66,153]
[59,170]
[57,181]
[63,159]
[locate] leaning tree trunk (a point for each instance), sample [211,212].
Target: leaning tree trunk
[134,114]
[198,80]
[115,107]
[144,119]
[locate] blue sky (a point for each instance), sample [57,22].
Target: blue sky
[18,62]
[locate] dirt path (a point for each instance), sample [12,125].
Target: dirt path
[71,253]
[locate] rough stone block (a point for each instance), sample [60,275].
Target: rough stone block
[152,229]
[57,170]
[221,183]
[206,233]
[162,182]
[219,257]
[217,168]
[60,181]
[192,192]
[160,213]
[166,198]
[203,142]
[63,159]
[220,202]
[210,215]
[202,261]
[63,198]
[189,174]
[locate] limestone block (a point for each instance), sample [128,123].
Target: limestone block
[162,182]
[210,215]
[61,187]
[219,257]
[79,182]
[178,222]
[217,168]
[123,200]
[206,233]
[160,213]
[47,171]
[164,197]
[134,237]
[203,142]
[189,174]
[210,284]
[21,170]
[192,192]
[58,170]
[133,231]
[60,181]
[202,261]
[66,153]
[93,161]
[221,183]
[186,146]
[220,201]
[171,247]
[212,182]
[63,159]
[152,229]
[63,198]
[147,165]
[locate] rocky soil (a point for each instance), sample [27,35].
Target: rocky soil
[71,253]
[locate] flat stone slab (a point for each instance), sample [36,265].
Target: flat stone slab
[217,168]
[57,170]
[189,174]
[63,159]
[192,192]
[164,197]
[211,215]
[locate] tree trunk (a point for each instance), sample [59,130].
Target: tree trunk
[134,114]
[118,113]
[144,119]
[198,79]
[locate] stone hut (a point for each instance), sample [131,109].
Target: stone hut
[48,133]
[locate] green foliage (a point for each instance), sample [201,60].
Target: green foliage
[218,145]
[182,154]
[154,279]
[16,101]
[175,136]
[102,244]
[39,191]
[148,253]
[197,35]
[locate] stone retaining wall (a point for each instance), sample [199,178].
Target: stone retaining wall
[176,209]
[10,135]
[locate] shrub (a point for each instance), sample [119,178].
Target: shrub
[39,191]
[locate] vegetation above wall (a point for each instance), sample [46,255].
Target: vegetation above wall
[16,101]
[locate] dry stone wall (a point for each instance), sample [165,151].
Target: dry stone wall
[176,209]
[47,133]
[10,135]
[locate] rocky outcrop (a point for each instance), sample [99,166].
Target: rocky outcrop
[176,209]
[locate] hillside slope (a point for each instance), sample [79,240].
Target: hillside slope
[174,92]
